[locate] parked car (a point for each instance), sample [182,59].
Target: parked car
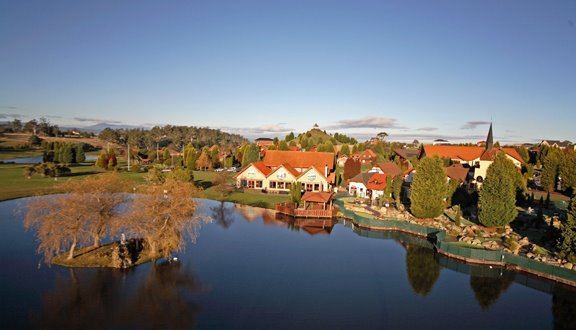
[233,169]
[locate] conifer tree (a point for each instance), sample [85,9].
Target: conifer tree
[251,154]
[497,197]
[428,189]
[567,240]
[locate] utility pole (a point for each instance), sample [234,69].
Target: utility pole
[128,157]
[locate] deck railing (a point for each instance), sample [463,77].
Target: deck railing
[290,209]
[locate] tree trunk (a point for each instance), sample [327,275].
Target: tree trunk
[71,253]
[96,241]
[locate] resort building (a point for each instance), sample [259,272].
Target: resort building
[279,170]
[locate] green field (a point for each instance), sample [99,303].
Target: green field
[16,185]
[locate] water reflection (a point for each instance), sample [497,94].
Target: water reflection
[487,289]
[310,226]
[422,268]
[564,308]
[110,299]
[223,215]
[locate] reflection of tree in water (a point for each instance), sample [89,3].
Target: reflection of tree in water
[564,308]
[422,268]
[222,215]
[100,299]
[488,289]
[159,303]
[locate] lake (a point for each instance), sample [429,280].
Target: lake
[250,270]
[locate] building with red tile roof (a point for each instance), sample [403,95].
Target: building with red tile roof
[280,169]
[477,159]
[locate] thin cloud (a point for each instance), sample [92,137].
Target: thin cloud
[366,122]
[10,116]
[427,129]
[264,129]
[97,120]
[474,124]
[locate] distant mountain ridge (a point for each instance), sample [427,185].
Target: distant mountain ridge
[97,128]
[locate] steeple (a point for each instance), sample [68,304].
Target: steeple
[490,139]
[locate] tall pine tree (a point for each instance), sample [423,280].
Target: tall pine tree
[428,189]
[567,240]
[497,197]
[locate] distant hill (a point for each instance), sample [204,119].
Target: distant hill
[97,128]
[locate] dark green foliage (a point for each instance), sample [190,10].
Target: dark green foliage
[289,137]
[453,186]
[345,150]
[35,140]
[48,169]
[497,201]
[251,154]
[67,154]
[342,138]
[397,187]
[428,189]
[551,169]
[567,240]
[568,171]
[282,145]
[79,154]
[296,192]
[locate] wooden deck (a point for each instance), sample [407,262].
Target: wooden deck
[289,209]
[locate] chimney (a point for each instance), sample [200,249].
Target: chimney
[326,170]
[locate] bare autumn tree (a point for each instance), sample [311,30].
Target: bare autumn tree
[102,196]
[85,212]
[163,214]
[60,223]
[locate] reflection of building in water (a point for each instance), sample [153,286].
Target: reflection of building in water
[251,213]
[311,226]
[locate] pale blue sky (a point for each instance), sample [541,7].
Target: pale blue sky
[414,69]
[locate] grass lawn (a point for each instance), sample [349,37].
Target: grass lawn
[204,179]
[16,185]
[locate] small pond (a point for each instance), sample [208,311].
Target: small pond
[250,270]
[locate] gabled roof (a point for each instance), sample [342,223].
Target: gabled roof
[407,153]
[259,166]
[377,182]
[288,168]
[390,168]
[362,178]
[317,196]
[311,168]
[298,159]
[467,153]
[457,172]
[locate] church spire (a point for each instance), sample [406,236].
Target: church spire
[490,139]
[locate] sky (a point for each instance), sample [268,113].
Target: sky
[414,69]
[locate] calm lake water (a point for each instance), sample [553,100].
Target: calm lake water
[249,270]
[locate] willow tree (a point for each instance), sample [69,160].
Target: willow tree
[85,213]
[497,196]
[102,196]
[60,222]
[428,188]
[164,215]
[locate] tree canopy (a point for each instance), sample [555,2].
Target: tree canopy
[428,188]
[497,196]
